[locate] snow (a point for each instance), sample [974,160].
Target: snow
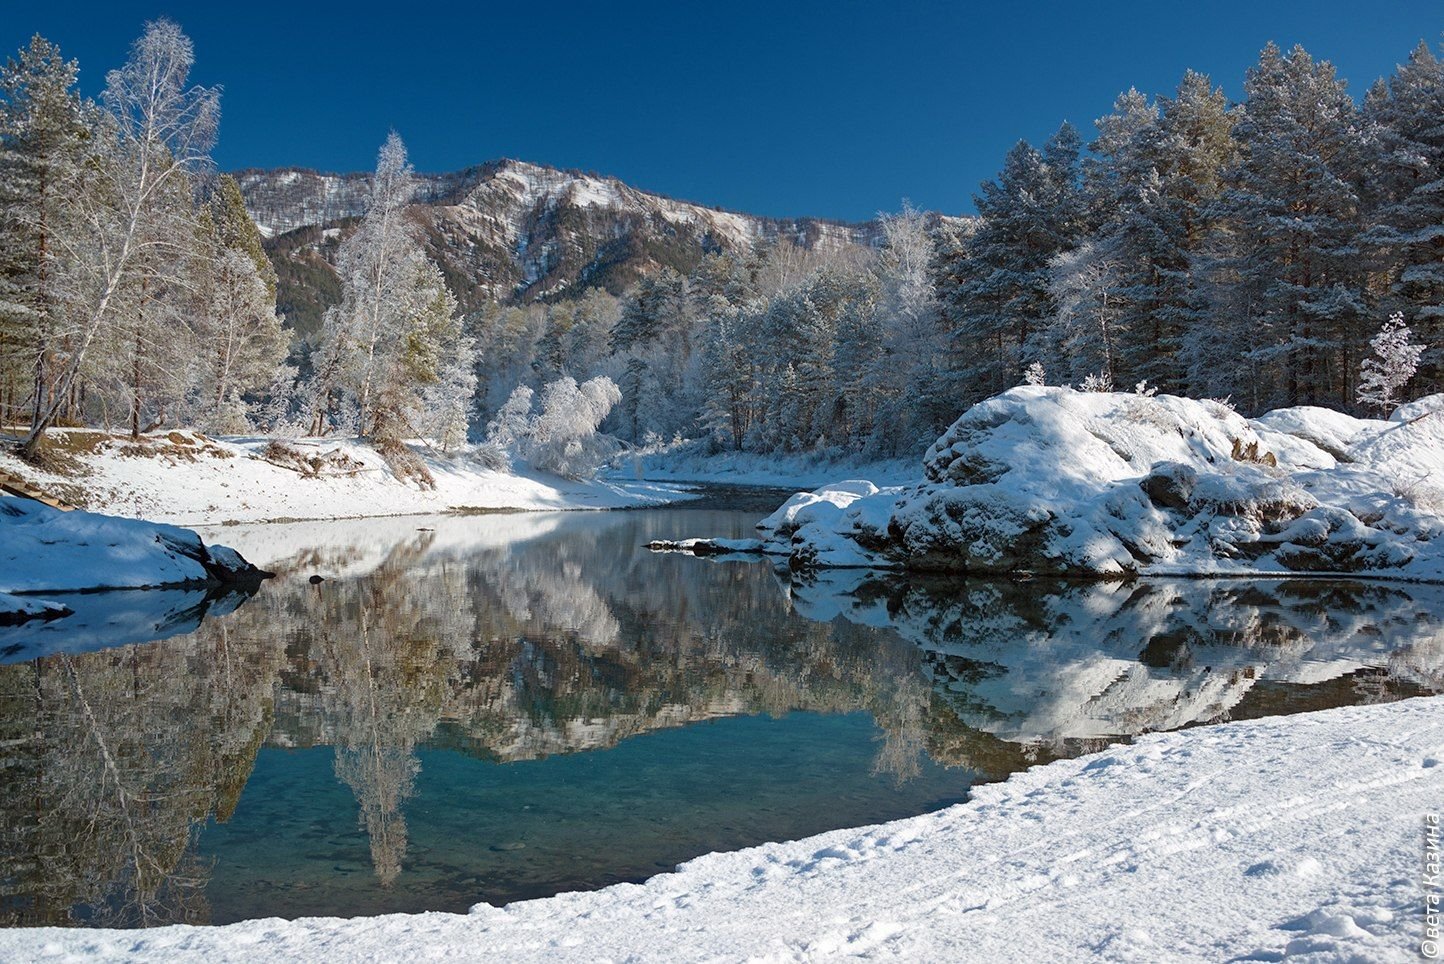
[1053,480]
[189,479]
[1297,836]
[46,550]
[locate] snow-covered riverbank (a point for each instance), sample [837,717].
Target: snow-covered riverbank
[1300,835]
[189,479]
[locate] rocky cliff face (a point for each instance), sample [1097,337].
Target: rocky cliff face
[511,231]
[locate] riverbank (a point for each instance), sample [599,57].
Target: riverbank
[690,462]
[1302,835]
[185,478]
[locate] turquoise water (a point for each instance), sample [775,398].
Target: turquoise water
[484,831]
[495,708]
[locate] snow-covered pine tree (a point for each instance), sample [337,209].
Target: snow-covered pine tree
[1385,372]
[1292,207]
[238,337]
[1406,188]
[45,134]
[1196,146]
[729,373]
[996,297]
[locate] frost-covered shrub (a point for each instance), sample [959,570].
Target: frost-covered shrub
[563,436]
[486,455]
[513,420]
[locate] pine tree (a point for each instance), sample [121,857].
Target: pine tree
[237,336]
[1196,147]
[1406,183]
[45,134]
[997,298]
[730,373]
[1292,205]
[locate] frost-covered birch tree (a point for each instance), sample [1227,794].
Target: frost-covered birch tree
[395,339]
[157,130]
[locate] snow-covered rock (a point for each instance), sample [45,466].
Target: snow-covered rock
[1052,480]
[46,550]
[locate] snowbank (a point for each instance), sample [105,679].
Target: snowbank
[1056,481]
[1288,836]
[190,479]
[45,550]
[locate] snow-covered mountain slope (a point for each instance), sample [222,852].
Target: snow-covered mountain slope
[511,230]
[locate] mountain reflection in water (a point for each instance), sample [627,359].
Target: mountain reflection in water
[472,643]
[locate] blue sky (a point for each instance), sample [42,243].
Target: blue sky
[831,109]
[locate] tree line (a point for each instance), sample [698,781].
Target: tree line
[1250,251]
[1246,251]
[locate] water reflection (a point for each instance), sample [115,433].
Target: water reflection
[517,638]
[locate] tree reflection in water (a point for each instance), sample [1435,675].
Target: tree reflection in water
[518,637]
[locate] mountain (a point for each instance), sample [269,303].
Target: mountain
[510,231]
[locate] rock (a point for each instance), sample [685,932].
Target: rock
[1170,485]
[43,549]
[706,547]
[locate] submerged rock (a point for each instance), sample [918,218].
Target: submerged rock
[707,547]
